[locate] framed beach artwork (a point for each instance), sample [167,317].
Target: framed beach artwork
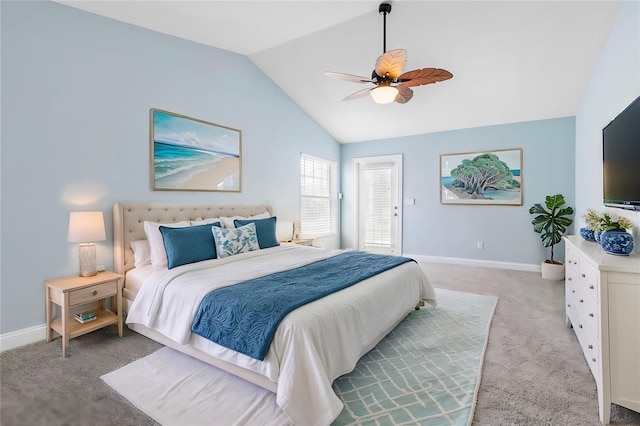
[482,178]
[188,154]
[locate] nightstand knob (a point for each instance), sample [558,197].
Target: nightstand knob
[95,292]
[581,300]
[593,359]
[591,287]
[584,276]
[569,278]
[590,346]
[580,325]
[590,314]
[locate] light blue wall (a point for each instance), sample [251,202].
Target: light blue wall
[76,94]
[615,83]
[433,229]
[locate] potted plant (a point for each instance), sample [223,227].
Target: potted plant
[614,237]
[551,223]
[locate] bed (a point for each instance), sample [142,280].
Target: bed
[312,346]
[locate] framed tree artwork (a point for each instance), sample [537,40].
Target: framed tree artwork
[482,178]
[188,154]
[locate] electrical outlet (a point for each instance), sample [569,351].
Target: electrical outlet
[480,245]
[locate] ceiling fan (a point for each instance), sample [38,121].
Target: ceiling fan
[391,84]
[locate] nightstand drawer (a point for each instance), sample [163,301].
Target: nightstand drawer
[96,292]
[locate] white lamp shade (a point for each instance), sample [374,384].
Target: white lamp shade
[85,227]
[284,230]
[384,94]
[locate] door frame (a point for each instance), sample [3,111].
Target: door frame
[357,163]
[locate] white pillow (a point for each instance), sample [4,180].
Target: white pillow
[141,253]
[227,222]
[234,241]
[156,243]
[201,221]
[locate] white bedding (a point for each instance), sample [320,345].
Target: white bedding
[313,345]
[135,278]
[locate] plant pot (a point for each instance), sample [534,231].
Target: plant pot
[618,242]
[587,234]
[596,235]
[552,271]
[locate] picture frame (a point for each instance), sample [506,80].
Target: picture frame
[482,177]
[189,154]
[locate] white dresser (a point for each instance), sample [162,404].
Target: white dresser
[602,294]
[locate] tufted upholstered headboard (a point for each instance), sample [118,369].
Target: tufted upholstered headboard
[128,222]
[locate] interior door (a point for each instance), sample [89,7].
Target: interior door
[379,211]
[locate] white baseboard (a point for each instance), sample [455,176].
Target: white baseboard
[26,336]
[475,262]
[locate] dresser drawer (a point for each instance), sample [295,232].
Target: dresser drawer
[572,261]
[588,312]
[590,283]
[570,289]
[590,348]
[90,294]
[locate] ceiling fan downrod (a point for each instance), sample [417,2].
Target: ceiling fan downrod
[384,9]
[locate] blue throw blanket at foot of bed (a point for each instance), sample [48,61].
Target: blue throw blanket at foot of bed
[244,316]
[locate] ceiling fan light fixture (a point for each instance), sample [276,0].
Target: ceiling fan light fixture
[384,94]
[389,69]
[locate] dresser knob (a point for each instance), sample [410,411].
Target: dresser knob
[591,287]
[569,305]
[569,278]
[591,314]
[584,276]
[593,359]
[579,325]
[95,292]
[581,300]
[590,346]
[573,291]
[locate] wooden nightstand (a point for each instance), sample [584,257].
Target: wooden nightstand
[303,242]
[74,291]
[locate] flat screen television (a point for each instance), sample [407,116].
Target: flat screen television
[621,159]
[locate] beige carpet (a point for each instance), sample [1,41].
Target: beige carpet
[534,372]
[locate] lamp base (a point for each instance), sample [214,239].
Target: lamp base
[87,258]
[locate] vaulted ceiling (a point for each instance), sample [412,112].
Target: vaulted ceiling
[512,61]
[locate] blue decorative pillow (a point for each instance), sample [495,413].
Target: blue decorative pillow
[188,245]
[265,229]
[231,241]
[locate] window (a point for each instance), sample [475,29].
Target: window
[379,205]
[318,197]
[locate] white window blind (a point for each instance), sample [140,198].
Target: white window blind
[318,196]
[379,211]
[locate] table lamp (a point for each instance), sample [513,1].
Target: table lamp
[83,228]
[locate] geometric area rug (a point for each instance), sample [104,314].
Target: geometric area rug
[426,371]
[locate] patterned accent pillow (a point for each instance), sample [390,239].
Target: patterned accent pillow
[232,241]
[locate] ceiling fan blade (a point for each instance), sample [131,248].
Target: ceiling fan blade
[349,77]
[404,94]
[358,94]
[391,63]
[424,76]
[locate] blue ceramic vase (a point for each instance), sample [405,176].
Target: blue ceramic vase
[587,234]
[596,235]
[618,242]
